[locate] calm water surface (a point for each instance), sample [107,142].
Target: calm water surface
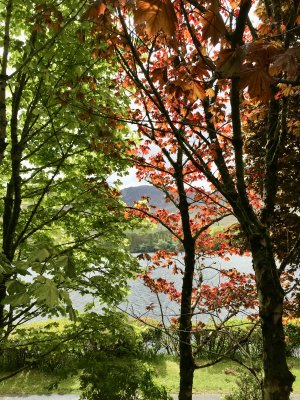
[140,296]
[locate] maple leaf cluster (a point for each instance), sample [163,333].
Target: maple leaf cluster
[47,16]
[236,293]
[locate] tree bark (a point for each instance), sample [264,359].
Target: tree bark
[187,364]
[185,349]
[278,379]
[4,78]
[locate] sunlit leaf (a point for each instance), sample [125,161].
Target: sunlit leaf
[157,14]
[46,292]
[160,75]
[195,90]
[213,27]
[94,11]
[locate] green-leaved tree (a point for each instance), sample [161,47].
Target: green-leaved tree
[61,224]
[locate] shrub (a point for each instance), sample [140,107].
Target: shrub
[292,332]
[114,379]
[230,341]
[108,350]
[248,388]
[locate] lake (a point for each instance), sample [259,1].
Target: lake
[141,296]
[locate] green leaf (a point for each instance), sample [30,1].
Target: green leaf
[40,255]
[18,299]
[14,286]
[37,267]
[62,261]
[70,267]
[22,267]
[5,265]
[46,292]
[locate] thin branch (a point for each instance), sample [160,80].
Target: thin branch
[290,256]
[208,225]
[148,214]
[50,42]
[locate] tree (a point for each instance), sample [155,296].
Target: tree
[62,223]
[194,211]
[199,70]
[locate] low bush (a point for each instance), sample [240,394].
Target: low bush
[292,332]
[114,379]
[248,388]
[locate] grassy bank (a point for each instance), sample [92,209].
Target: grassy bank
[212,379]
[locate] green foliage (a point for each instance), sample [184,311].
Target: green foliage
[236,340]
[54,346]
[152,340]
[292,332]
[248,388]
[110,353]
[214,343]
[62,224]
[112,379]
[61,345]
[151,240]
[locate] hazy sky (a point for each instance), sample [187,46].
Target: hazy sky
[127,180]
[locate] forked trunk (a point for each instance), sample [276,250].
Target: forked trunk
[278,379]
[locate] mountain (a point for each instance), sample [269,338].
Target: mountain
[156,196]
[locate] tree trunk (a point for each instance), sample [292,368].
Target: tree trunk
[187,364]
[278,379]
[185,348]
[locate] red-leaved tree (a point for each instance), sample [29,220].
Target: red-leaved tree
[198,72]
[191,209]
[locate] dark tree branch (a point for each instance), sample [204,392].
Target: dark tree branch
[4,79]
[244,208]
[236,37]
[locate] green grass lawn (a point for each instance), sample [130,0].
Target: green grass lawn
[211,379]
[36,382]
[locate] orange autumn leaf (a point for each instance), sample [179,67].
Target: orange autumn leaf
[233,4]
[94,11]
[201,69]
[157,14]
[55,26]
[101,9]
[288,62]
[262,52]
[230,61]
[213,27]
[160,75]
[194,90]
[210,93]
[37,28]
[286,90]
[258,82]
